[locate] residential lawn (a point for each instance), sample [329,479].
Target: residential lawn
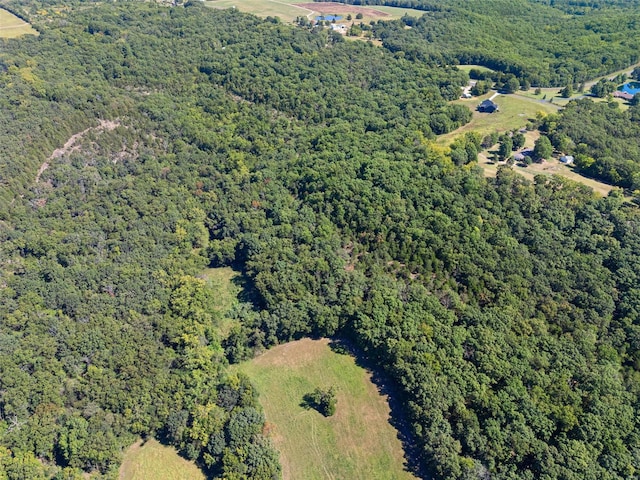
[358,442]
[515,112]
[152,460]
[12,26]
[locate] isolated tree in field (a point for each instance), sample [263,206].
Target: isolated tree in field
[566,92]
[542,149]
[324,401]
[359,16]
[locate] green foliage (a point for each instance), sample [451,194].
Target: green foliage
[506,311]
[505,148]
[604,139]
[535,41]
[481,87]
[542,149]
[322,400]
[603,88]
[518,140]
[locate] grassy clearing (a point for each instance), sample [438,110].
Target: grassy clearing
[226,284]
[288,10]
[394,13]
[468,68]
[143,461]
[356,443]
[515,111]
[263,8]
[12,26]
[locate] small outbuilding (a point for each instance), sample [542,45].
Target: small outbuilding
[488,106]
[624,95]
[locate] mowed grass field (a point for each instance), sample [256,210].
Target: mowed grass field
[515,112]
[289,10]
[358,442]
[468,68]
[152,460]
[12,26]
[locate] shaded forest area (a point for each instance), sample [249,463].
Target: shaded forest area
[507,311]
[542,44]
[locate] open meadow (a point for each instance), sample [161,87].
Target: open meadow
[358,442]
[468,68]
[289,10]
[12,26]
[152,460]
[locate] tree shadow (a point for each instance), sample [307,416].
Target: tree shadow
[309,403]
[395,398]
[247,290]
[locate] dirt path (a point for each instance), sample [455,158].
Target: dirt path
[19,25]
[311,12]
[70,145]
[611,76]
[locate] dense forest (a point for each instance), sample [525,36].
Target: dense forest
[604,138]
[505,311]
[543,44]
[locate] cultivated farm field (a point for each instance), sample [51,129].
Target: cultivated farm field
[289,10]
[358,442]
